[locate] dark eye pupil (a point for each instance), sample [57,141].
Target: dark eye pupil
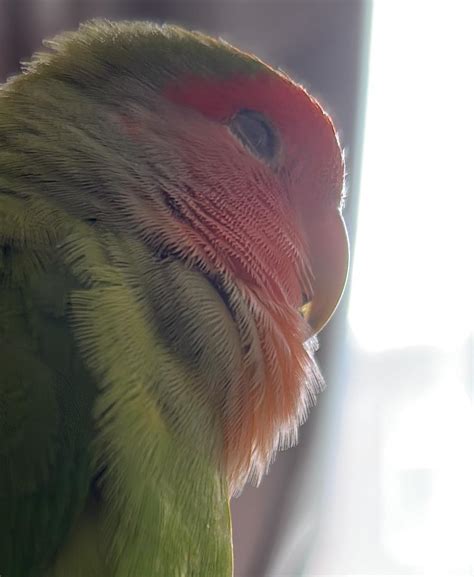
[255,133]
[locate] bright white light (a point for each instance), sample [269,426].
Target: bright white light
[427,478]
[413,268]
[413,284]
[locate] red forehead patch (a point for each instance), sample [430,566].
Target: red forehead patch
[307,132]
[221,98]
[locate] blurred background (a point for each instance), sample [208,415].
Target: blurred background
[382,481]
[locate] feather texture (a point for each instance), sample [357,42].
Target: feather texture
[152,353]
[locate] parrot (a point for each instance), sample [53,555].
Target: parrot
[171,245]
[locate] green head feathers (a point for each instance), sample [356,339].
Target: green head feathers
[106,58]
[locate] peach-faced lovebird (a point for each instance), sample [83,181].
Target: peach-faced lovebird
[170,238]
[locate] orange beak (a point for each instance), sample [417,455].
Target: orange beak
[329,246]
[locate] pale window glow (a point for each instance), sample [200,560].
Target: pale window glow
[413,269]
[413,283]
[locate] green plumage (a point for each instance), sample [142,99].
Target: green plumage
[72,316]
[108,450]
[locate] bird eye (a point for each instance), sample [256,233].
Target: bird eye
[254,131]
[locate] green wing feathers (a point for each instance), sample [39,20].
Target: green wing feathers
[46,395]
[86,377]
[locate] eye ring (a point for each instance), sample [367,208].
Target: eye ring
[256,133]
